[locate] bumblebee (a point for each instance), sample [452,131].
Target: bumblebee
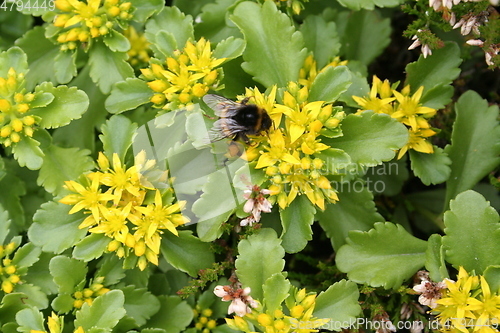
[236,120]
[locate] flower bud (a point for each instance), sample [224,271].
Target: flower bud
[264,319]
[140,248]
[4,105]
[142,263]
[114,11]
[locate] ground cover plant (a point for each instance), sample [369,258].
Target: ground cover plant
[249,166]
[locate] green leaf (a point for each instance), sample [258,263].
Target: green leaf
[355,210]
[297,220]
[108,67]
[173,316]
[110,266]
[128,95]
[28,154]
[275,52]
[492,276]
[116,41]
[12,304]
[54,229]
[321,38]
[214,21]
[4,223]
[40,276]
[117,136]
[369,4]
[140,304]
[229,48]
[41,53]
[68,104]
[437,70]
[260,256]
[67,273]
[65,66]
[105,311]
[434,259]
[30,319]
[471,223]
[172,21]
[431,168]
[27,255]
[475,143]
[34,295]
[385,256]
[12,202]
[388,178]
[91,247]
[62,164]
[275,290]
[186,252]
[330,84]
[339,303]
[145,8]
[369,138]
[63,303]
[13,58]
[364,35]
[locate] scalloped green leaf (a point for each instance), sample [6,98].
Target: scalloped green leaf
[355,210]
[472,231]
[475,143]
[11,305]
[387,178]
[30,319]
[434,258]
[229,48]
[140,304]
[339,303]
[275,52]
[369,4]
[260,256]
[13,58]
[492,276]
[128,95]
[41,53]
[175,23]
[330,84]
[186,252]
[91,247]
[385,256]
[369,138]
[174,315]
[34,295]
[68,104]
[116,41]
[40,276]
[28,153]
[117,136]
[321,38]
[62,164]
[296,220]
[54,229]
[214,20]
[65,66]
[145,8]
[105,311]
[67,273]
[27,255]
[4,224]
[364,35]
[12,202]
[431,168]
[440,69]
[108,67]
[275,291]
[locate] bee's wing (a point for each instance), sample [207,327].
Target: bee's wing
[225,128]
[222,106]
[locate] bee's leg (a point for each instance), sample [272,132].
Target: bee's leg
[211,118]
[243,137]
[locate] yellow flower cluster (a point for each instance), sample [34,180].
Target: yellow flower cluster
[87,295]
[309,71]
[55,324]
[81,21]
[185,77]
[468,305]
[8,272]
[139,53]
[14,104]
[299,320]
[404,108]
[123,206]
[202,320]
[287,154]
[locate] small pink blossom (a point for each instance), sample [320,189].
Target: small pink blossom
[241,301]
[255,205]
[429,291]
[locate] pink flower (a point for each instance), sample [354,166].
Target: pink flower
[255,205]
[241,301]
[430,291]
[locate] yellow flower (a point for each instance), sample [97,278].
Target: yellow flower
[373,102]
[418,142]
[139,53]
[185,77]
[10,274]
[410,108]
[309,70]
